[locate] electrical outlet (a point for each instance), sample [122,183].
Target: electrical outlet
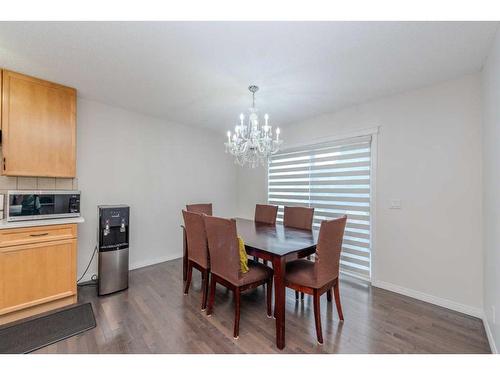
[395,204]
[494,315]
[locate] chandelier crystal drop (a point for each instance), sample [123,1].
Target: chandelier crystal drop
[252,143]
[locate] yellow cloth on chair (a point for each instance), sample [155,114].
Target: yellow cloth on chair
[243,256]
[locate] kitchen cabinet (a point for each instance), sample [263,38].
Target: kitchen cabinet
[38,127]
[37,270]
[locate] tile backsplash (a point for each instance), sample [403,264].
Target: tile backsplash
[37,183]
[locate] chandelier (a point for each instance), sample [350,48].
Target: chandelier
[253,143]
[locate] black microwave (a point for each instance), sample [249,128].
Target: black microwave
[42,204]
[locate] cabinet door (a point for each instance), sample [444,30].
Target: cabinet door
[38,127]
[36,273]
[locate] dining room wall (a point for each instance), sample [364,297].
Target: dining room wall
[491,188]
[155,167]
[429,157]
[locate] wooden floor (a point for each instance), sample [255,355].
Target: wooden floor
[153,316]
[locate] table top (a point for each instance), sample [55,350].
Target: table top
[275,239]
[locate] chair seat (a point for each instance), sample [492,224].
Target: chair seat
[256,272]
[302,272]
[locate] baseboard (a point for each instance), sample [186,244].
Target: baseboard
[464,309]
[489,334]
[153,261]
[146,263]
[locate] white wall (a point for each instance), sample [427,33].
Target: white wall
[429,157]
[491,190]
[155,167]
[252,189]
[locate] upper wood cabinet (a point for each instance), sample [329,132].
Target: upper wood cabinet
[38,127]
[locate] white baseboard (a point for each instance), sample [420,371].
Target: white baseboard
[150,262]
[465,309]
[146,263]
[489,334]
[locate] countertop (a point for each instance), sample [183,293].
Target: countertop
[4,224]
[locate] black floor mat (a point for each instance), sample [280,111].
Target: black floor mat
[34,334]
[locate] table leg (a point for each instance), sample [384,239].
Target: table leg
[279,300]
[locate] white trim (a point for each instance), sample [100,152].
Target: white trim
[153,261]
[355,276]
[464,309]
[332,138]
[489,334]
[373,204]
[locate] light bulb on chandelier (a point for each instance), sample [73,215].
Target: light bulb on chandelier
[252,144]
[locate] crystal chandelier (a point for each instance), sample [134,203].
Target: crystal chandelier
[253,143]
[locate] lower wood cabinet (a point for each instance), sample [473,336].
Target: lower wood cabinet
[39,274]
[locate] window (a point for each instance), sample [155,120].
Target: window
[334,178]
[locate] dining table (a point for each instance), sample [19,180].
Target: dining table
[279,245]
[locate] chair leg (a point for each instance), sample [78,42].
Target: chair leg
[336,292]
[237,295]
[317,316]
[269,295]
[211,298]
[188,278]
[204,288]
[296,295]
[329,295]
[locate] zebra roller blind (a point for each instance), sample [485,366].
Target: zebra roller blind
[334,178]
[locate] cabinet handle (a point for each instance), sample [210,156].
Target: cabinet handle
[38,235]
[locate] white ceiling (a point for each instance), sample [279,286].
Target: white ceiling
[197,73]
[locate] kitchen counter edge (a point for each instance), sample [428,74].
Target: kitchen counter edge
[4,224]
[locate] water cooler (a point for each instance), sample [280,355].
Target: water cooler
[113,240]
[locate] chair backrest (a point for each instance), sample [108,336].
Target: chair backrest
[201,208]
[196,237]
[329,247]
[223,247]
[265,213]
[298,217]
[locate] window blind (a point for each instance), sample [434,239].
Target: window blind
[334,178]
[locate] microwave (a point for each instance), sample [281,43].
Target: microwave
[42,204]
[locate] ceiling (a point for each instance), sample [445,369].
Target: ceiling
[197,73]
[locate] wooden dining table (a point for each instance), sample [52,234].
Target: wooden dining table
[277,244]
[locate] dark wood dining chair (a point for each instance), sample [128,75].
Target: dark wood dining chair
[225,266]
[201,208]
[300,218]
[197,257]
[322,275]
[266,213]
